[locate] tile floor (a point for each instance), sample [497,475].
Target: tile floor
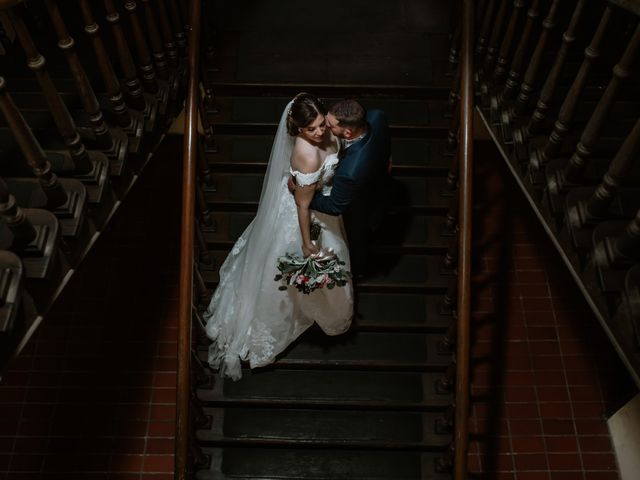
[92,396]
[544,374]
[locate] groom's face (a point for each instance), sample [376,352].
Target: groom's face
[338,131]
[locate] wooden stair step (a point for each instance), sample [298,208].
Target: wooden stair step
[417,155]
[415,351]
[318,464]
[412,234]
[242,191]
[400,312]
[323,428]
[328,388]
[267,110]
[231,88]
[413,273]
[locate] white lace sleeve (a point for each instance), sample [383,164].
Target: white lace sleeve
[305,179]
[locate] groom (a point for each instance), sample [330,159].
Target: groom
[362,182]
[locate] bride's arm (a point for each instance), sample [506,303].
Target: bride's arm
[303,194]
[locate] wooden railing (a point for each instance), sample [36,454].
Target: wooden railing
[72,147]
[465,192]
[568,127]
[187,238]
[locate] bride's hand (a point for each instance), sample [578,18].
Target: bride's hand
[309,249]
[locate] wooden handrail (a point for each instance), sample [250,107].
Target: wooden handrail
[465,152]
[189,158]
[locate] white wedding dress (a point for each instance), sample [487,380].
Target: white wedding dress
[248,317]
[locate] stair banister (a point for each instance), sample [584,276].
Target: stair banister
[187,237]
[466,106]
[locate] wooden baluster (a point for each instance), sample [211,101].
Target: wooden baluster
[454,51]
[451,257]
[487,23]
[454,95]
[447,343]
[15,219]
[449,302]
[513,80]
[199,372]
[574,170]
[447,380]
[451,221]
[548,24]
[208,31]
[209,99]
[62,118]
[178,26]
[203,164]
[553,145]
[204,261]
[112,85]
[515,72]
[167,34]
[597,206]
[85,90]
[185,14]
[134,88]
[200,418]
[31,150]
[144,55]
[621,251]
[522,134]
[445,422]
[480,11]
[209,138]
[494,41]
[201,292]
[507,42]
[444,463]
[205,214]
[452,134]
[159,58]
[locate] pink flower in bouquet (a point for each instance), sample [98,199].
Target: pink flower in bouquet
[301,279]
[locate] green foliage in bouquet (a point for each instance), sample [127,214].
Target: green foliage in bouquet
[311,273]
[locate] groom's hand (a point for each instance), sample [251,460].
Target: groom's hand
[291,184]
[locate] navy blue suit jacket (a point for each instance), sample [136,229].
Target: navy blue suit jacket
[361,183]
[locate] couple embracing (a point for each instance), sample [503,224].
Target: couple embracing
[329,167]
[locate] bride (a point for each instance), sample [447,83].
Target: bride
[249,318]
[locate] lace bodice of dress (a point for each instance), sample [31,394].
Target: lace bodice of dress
[324,175]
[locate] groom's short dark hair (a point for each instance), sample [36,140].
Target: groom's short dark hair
[349,113]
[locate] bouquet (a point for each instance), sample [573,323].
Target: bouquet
[322,269]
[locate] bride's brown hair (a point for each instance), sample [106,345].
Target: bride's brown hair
[304,110]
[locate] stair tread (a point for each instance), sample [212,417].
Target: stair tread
[253,150]
[243,189]
[414,271]
[399,310]
[334,388]
[324,427]
[363,348]
[318,464]
[267,110]
[415,231]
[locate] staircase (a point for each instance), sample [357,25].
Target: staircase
[77,128]
[376,401]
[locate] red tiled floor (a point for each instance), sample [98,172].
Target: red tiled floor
[93,394]
[547,382]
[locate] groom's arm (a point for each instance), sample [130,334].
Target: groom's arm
[342,194]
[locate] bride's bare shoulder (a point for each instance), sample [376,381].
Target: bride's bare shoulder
[305,157]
